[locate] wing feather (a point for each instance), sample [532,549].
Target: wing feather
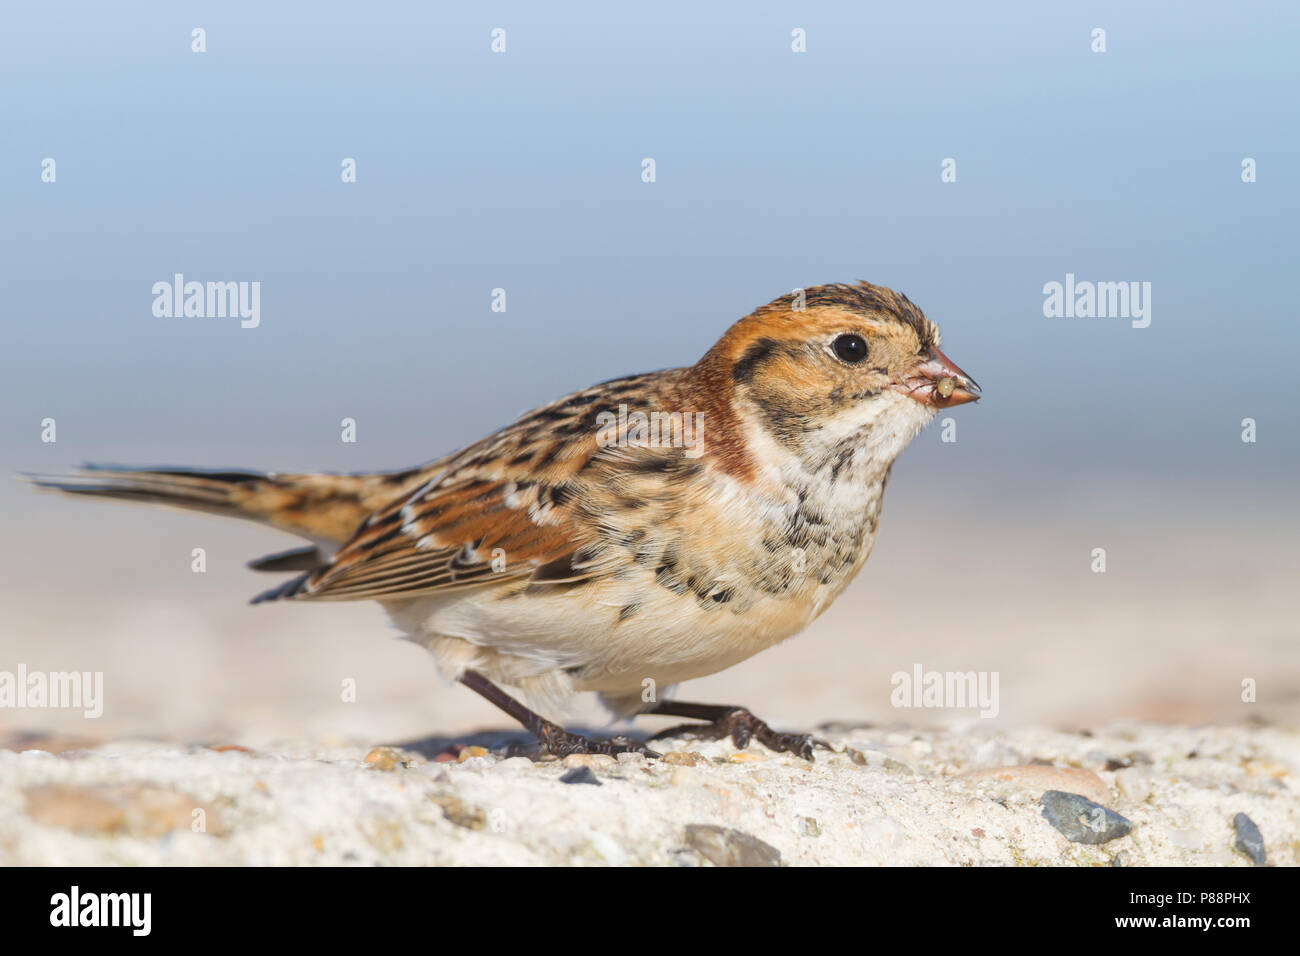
[515,507]
[490,517]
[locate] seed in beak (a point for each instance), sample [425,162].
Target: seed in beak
[945,387]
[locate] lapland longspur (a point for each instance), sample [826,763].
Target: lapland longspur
[630,536]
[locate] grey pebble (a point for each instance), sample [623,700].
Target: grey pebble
[808,826]
[724,847]
[1249,840]
[580,775]
[1081,820]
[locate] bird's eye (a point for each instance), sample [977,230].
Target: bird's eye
[850,348]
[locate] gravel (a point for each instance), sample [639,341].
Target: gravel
[1249,840]
[1081,820]
[966,795]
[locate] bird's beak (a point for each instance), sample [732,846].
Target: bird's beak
[937,381]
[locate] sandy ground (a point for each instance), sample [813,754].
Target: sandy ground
[967,796]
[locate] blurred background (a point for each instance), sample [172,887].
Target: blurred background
[522,171]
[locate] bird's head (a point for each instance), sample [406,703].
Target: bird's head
[835,365]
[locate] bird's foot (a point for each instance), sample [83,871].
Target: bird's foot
[554,738]
[742,727]
[558,741]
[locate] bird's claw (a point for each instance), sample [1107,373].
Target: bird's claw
[742,726]
[559,742]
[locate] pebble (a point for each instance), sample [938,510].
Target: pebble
[459,812]
[808,826]
[631,760]
[1081,820]
[470,752]
[1249,840]
[722,846]
[385,758]
[580,775]
[746,756]
[880,759]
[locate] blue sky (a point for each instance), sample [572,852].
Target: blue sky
[522,171]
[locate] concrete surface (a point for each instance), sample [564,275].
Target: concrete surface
[967,795]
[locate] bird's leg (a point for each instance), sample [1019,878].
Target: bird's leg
[734,722]
[553,737]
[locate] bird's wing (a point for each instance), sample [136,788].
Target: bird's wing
[509,508]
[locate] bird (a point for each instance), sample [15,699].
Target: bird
[625,538]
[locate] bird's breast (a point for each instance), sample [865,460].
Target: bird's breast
[677,586]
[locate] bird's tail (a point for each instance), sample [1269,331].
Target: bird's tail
[323,508]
